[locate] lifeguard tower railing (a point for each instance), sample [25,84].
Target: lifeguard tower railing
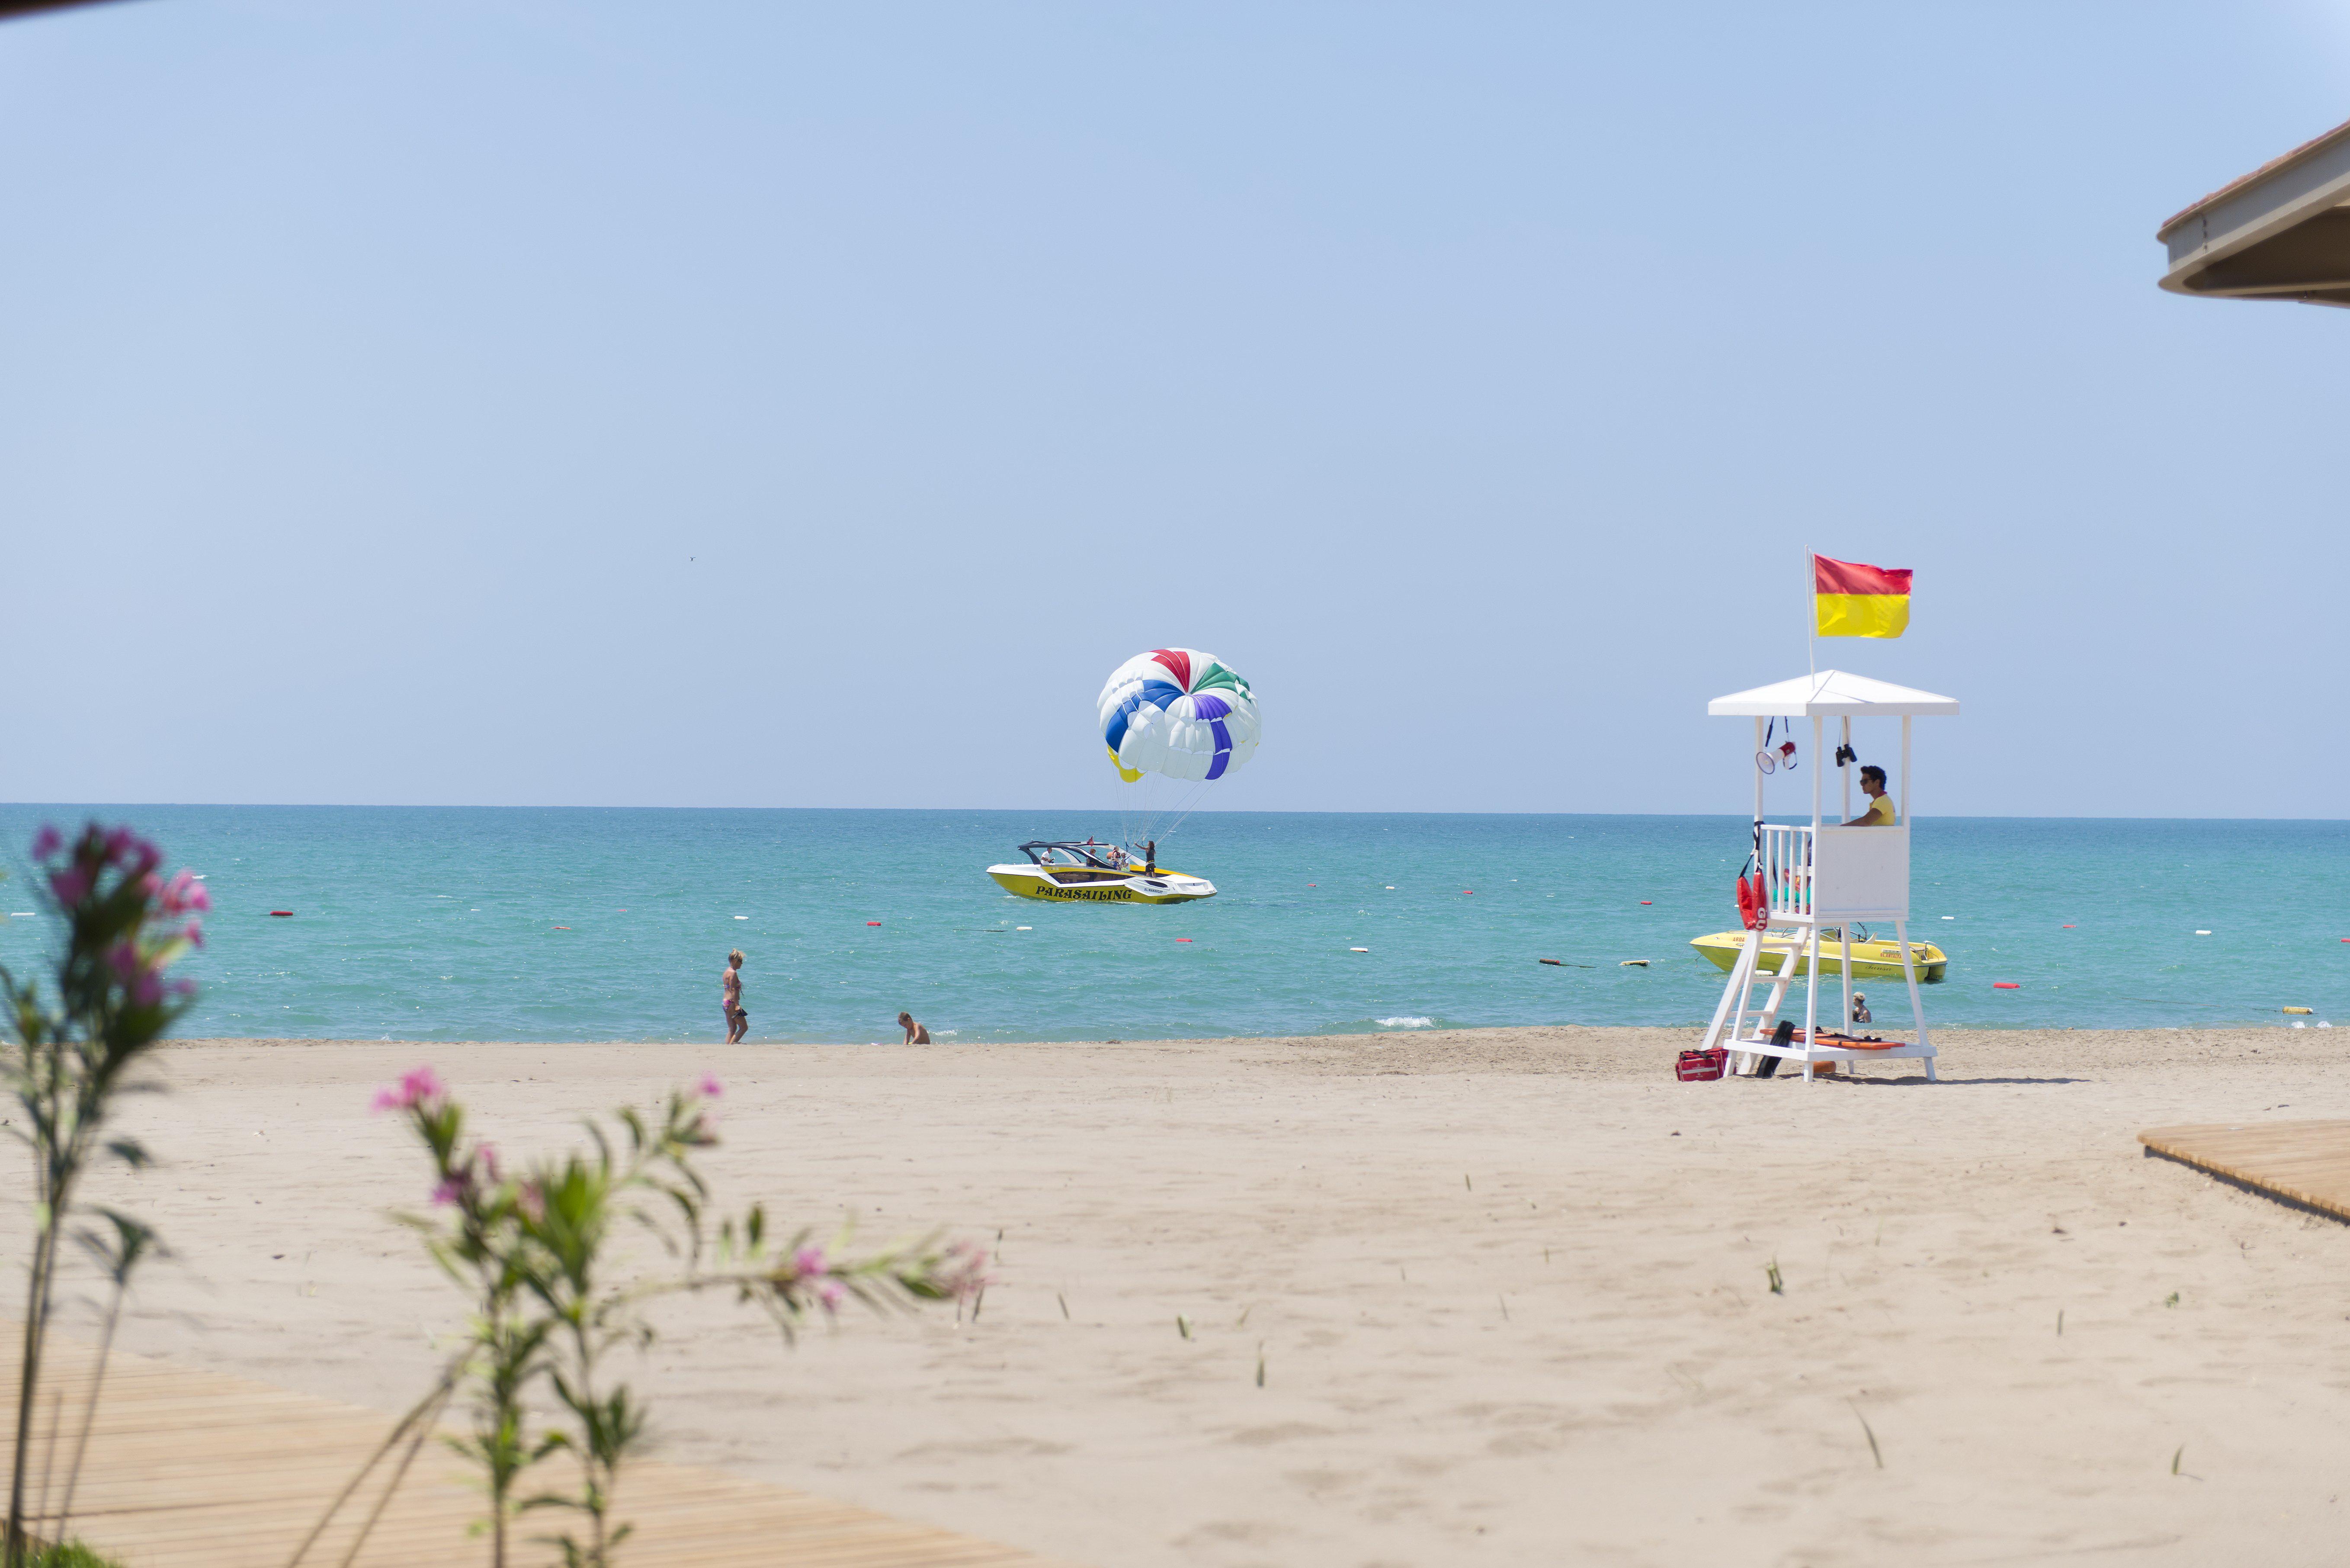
[1830,875]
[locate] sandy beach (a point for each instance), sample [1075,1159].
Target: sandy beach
[1508,1287]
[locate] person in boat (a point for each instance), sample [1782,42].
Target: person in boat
[1880,812]
[1151,858]
[915,1033]
[730,993]
[1114,857]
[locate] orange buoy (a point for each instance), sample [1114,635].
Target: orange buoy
[872,922]
[288,914]
[2005,985]
[1647,900]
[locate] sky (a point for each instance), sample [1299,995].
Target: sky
[507,402]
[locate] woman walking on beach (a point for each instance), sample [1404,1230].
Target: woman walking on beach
[738,1022]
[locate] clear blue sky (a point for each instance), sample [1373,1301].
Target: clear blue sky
[746,404]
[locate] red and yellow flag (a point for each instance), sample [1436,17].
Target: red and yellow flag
[1853,600]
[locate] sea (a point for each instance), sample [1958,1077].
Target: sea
[559,924]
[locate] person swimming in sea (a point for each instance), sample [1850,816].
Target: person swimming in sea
[915,1033]
[730,987]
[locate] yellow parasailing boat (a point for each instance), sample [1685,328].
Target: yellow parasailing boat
[1872,958]
[1064,871]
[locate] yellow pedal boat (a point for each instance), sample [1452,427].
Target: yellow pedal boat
[1873,958]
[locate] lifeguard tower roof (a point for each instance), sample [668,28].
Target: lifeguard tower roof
[1829,694]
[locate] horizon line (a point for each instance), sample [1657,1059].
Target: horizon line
[1099,810]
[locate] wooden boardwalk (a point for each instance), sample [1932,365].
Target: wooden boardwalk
[191,1470]
[2306,1164]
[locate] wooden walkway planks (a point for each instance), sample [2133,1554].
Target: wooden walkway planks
[192,1470]
[2304,1163]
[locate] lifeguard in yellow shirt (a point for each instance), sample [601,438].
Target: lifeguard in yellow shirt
[1880,812]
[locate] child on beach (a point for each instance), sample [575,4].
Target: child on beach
[915,1033]
[730,987]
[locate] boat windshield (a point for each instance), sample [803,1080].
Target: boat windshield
[1066,852]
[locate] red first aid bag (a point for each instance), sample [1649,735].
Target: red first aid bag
[1702,1066]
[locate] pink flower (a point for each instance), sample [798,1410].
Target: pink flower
[710,1089]
[807,1261]
[417,1085]
[488,1154]
[136,974]
[830,1295]
[194,931]
[183,988]
[125,849]
[71,885]
[200,899]
[182,893]
[964,1270]
[450,1190]
[47,842]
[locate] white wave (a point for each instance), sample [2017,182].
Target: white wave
[1405,1023]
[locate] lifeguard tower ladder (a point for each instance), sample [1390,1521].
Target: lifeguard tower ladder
[1823,876]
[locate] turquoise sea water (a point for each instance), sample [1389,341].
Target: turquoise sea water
[564,924]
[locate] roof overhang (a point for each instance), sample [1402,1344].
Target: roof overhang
[2282,232]
[28,7]
[1829,694]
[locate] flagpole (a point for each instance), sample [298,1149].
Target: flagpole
[1812,620]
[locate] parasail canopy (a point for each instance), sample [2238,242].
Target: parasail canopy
[1177,712]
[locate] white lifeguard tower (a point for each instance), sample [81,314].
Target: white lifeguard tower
[1823,875]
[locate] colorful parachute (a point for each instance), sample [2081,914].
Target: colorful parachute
[1177,712]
